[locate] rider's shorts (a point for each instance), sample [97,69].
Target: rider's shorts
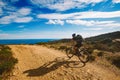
[78,45]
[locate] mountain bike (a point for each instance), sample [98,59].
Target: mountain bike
[82,54]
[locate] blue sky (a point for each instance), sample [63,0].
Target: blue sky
[35,19]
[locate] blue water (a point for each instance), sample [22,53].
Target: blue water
[24,41]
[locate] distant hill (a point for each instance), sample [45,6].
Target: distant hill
[112,36]
[60,41]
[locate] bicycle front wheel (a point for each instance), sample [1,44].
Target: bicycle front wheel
[69,53]
[83,56]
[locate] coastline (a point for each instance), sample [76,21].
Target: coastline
[23,41]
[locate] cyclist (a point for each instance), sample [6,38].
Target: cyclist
[77,41]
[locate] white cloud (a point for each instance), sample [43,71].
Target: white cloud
[90,1]
[10,1]
[2,4]
[80,22]
[55,22]
[116,1]
[55,16]
[93,33]
[51,22]
[14,18]
[94,23]
[23,19]
[24,11]
[75,18]
[62,5]
[93,29]
[9,9]
[94,14]
[80,15]
[35,35]
[49,34]
[13,14]
[112,25]
[7,19]
[3,35]
[19,16]
[6,5]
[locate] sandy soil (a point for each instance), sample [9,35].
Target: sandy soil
[41,63]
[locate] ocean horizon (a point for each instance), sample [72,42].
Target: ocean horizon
[23,41]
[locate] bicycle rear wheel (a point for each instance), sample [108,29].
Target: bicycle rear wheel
[84,56]
[69,53]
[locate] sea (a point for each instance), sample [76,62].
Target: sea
[23,41]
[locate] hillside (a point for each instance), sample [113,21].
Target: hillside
[39,63]
[112,36]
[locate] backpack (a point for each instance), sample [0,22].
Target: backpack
[79,39]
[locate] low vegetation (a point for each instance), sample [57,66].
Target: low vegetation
[7,61]
[105,49]
[112,36]
[107,45]
[115,60]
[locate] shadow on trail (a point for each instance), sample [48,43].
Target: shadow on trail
[51,66]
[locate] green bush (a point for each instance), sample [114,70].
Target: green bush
[92,58]
[7,65]
[62,48]
[100,54]
[7,61]
[107,46]
[115,60]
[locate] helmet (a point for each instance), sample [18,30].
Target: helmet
[73,35]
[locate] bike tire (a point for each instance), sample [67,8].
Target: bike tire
[69,53]
[83,56]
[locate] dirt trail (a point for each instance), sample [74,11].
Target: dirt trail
[38,63]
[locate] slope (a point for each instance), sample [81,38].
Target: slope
[38,63]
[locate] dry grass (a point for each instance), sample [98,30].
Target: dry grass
[101,51]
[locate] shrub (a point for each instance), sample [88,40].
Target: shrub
[115,60]
[107,45]
[7,61]
[115,46]
[41,43]
[63,48]
[106,41]
[100,54]
[52,47]
[92,58]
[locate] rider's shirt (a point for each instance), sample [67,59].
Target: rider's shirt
[78,40]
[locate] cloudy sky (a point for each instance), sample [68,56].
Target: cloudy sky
[31,19]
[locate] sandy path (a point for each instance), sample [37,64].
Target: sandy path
[37,63]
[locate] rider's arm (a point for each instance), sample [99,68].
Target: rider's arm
[72,42]
[83,40]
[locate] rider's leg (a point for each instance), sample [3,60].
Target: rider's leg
[75,49]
